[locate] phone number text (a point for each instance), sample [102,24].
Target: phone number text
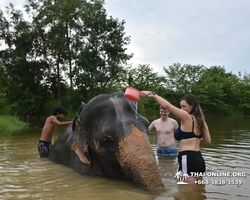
[219,182]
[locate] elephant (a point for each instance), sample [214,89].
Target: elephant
[109,138]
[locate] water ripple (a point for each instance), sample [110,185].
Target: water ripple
[23,175]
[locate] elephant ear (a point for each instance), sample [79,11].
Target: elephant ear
[81,151]
[77,118]
[74,123]
[80,148]
[81,108]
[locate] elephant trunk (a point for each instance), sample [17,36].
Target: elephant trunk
[138,162]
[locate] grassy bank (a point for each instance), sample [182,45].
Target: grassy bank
[11,125]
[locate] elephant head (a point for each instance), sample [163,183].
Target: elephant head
[109,139]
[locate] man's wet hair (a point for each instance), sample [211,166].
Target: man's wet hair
[60,110]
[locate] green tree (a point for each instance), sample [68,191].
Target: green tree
[58,22]
[144,78]
[211,91]
[21,72]
[181,78]
[100,59]
[64,42]
[242,93]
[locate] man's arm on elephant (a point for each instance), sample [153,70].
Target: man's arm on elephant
[58,123]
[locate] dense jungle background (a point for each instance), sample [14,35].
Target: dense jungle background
[61,52]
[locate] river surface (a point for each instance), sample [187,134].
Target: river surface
[23,175]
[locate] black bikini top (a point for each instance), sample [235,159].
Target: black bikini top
[181,135]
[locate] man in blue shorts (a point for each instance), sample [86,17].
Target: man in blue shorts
[44,144]
[165,127]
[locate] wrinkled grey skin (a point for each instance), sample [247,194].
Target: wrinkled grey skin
[109,140]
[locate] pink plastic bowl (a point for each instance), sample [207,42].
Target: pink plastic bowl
[132,94]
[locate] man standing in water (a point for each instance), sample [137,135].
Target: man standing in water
[165,127]
[44,144]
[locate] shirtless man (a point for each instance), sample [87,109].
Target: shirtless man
[165,127]
[44,144]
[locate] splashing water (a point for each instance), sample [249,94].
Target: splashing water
[136,113]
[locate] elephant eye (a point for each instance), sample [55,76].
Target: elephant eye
[106,141]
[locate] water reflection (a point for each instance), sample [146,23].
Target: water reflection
[23,175]
[187,192]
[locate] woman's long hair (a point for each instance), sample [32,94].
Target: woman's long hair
[196,111]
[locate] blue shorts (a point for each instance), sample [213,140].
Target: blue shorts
[44,148]
[170,151]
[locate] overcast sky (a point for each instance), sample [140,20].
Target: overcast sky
[163,32]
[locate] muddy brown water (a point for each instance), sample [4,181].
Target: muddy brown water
[23,175]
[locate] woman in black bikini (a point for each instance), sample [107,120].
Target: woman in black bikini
[192,133]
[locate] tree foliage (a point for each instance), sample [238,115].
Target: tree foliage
[64,46]
[66,52]
[181,78]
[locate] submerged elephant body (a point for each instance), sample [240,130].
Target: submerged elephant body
[109,139]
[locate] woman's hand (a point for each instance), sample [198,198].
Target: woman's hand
[144,93]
